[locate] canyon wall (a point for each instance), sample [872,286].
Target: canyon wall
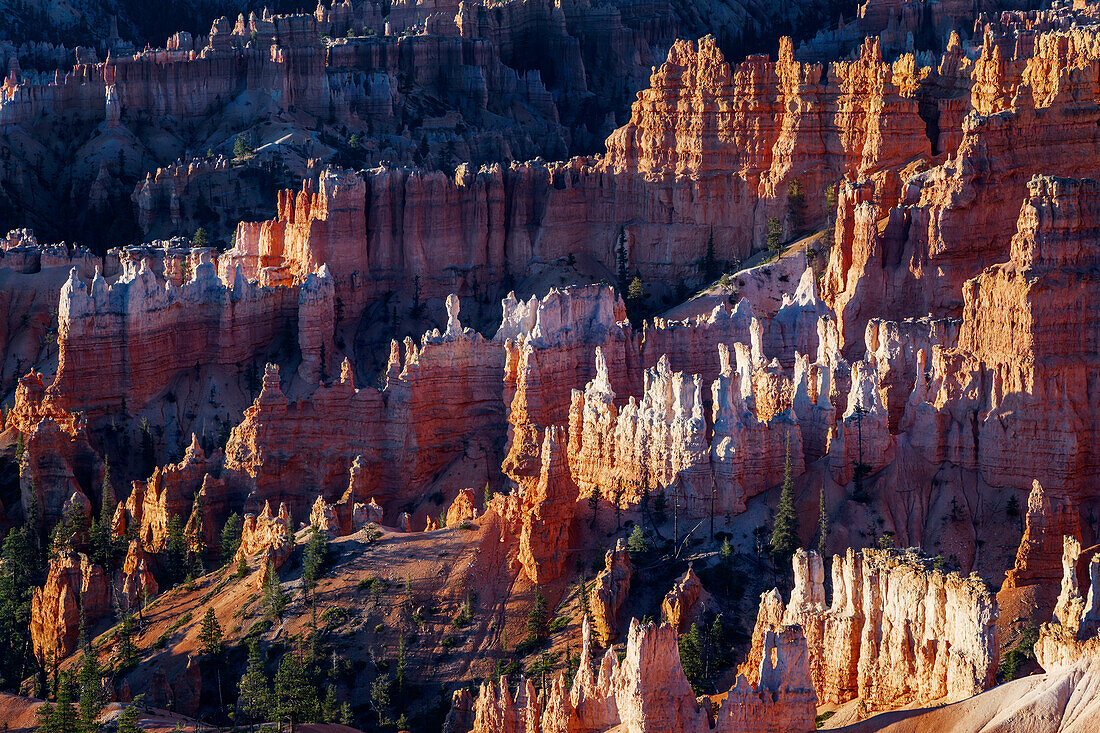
[897,632]
[441,405]
[114,340]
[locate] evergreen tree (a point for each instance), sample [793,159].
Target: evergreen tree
[622,260]
[92,699]
[295,695]
[105,548]
[274,596]
[402,661]
[636,292]
[20,572]
[538,619]
[66,533]
[128,720]
[254,692]
[636,543]
[380,697]
[796,205]
[313,558]
[242,148]
[175,550]
[231,538]
[330,708]
[593,505]
[242,568]
[822,525]
[65,718]
[660,507]
[195,538]
[710,261]
[127,650]
[210,635]
[691,658]
[775,235]
[784,540]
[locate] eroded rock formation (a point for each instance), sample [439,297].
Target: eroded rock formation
[647,691]
[76,590]
[897,632]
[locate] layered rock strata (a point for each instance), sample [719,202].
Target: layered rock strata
[897,632]
[76,591]
[609,592]
[647,691]
[114,340]
[454,377]
[1074,632]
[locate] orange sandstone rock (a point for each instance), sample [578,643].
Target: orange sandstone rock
[685,603]
[609,591]
[549,510]
[896,633]
[75,589]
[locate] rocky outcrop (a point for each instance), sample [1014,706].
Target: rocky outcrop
[1040,547]
[56,466]
[270,536]
[661,442]
[171,492]
[685,603]
[927,242]
[1074,632]
[898,631]
[609,592]
[441,404]
[647,691]
[76,591]
[114,341]
[549,508]
[463,509]
[138,582]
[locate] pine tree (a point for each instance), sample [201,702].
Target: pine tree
[710,261]
[380,697]
[66,534]
[330,707]
[127,650]
[65,717]
[92,699]
[775,235]
[295,695]
[274,596]
[784,540]
[636,543]
[195,538]
[313,559]
[622,260]
[538,619]
[254,692]
[230,538]
[822,525]
[594,505]
[242,568]
[105,548]
[210,635]
[691,648]
[402,661]
[128,720]
[20,572]
[175,550]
